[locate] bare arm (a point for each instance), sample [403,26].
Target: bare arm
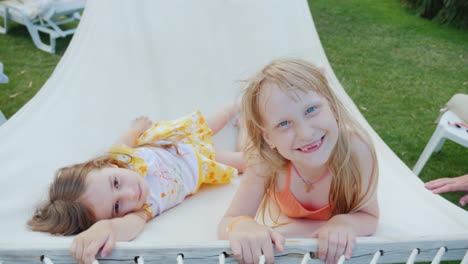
[105,233]
[246,200]
[247,238]
[128,227]
[139,125]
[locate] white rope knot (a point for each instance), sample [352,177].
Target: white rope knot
[439,255]
[180,258]
[46,260]
[222,258]
[139,260]
[376,257]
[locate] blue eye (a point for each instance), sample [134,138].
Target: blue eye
[310,110]
[284,123]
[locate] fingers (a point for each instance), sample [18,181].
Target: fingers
[108,246]
[84,252]
[450,187]
[350,246]
[333,245]
[332,251]
[278,240]
[251,248]
[89,253]
[437,183]
[267,251]
[236,248]
[141,123]
[322,245]
[76,250]
[464,200]
[246,254]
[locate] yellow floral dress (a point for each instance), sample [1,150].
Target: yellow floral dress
[172,176]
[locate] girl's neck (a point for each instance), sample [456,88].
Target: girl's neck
[310,173]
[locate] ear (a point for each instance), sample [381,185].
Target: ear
[267,139]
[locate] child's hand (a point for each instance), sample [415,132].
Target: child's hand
[141,124]
[335,238]
[250,240]
[86,245]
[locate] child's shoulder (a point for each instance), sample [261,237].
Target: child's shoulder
[364,153]
[360,146]
[260,170]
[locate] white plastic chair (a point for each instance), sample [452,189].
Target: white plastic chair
[443,132]
[45,16]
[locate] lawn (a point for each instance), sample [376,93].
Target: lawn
[398,68]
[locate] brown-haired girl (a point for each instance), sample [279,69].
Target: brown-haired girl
[151,168]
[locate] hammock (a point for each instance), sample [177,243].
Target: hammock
[164,59]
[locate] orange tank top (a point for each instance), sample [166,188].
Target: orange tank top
[291,207]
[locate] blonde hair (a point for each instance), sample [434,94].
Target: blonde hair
[346,190]
[64,213]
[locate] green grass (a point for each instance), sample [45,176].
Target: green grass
[398,68]
[27,67]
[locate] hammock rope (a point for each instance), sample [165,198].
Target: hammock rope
[439,255]
[139,260]
[180,258]
[412,256]
[305,259]
[376,257]
[46,260]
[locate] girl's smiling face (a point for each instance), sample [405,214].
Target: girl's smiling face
[301,126]
[114,192]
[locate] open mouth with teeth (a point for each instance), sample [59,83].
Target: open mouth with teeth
[314,146]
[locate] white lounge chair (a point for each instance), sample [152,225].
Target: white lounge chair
[42,16]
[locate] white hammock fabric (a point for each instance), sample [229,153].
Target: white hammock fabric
[165,59]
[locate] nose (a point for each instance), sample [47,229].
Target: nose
[305,131]
[129,194]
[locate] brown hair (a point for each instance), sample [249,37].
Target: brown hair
[346,191]
[64,213]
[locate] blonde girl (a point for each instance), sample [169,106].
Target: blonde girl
[311,167]
[152,168]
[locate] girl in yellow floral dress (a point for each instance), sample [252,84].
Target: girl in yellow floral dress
[152,168]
